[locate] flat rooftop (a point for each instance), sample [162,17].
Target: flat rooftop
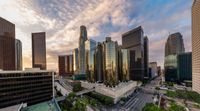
[24,71]
[45,106]
[11,108]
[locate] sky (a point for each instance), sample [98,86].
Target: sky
[61,20]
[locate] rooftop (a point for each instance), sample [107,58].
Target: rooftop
[45,106]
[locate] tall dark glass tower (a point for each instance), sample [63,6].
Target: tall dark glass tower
[134,41]
[82,57]
[174,44]
[7,45]
[146,57]
[39,50]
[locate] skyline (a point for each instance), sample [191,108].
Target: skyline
[61,22]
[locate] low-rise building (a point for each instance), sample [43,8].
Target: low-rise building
[29,86]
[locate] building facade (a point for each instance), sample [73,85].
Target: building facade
[29,87]
[184,67]
[195,46]
[146,57]
[18,54]
[39,50]
[75,61]
[90,47]
[174,44]
[7,45]
[65,65]
[99,63]
[110,59]
[170,66]
[153,69]
[81,54]
[134,41]
[125,64]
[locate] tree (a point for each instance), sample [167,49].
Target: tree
[77,87]
[175,107]
[151,107]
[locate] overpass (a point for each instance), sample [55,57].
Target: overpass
[62,90]
[84,91]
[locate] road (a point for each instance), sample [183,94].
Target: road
[138,100]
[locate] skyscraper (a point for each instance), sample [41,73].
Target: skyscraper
[134,41]
[7,45]
[173,47]
[125,64]
[65,65]
[81,54]
[146,57]
[196,46]
[110,59]
[90,46]
[75,61]
[174,44]
[18,54]
[99,63]
[39,50]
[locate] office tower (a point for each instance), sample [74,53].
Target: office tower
[196,46]
[90,46]
[170,66]
[146,57]
[39,50]
[7,45]
[18,54]
[184,66]
[159,70]
[65,65]
[125,64]
[110,59]
[31,87]
[99,63]
[82,39]
[133,40]
[174,44]
[153,69]
[75,61]
[120,71]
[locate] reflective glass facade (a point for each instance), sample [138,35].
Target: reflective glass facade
[110,50]
[82,57]
[171,68]
[65,65]
[18,54]
[7,45]
[125,64]
[134,41]
[146,57]
[99,63]
[75,61]
[39,50]
[90,46]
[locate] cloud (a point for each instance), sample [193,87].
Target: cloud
[61,19]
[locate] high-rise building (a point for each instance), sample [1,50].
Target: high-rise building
[7,45]
[65,65]
[196,46]
[18,54]
[134,41]
[153,69]
[110,59]
[31,87]
[39,50]
[125,64]
[174,44]
[146,57]
[184,67]
[75,61]
[170,66]
[90,46]
[81,54]
[99,63]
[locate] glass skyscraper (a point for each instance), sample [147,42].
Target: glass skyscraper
[110,51]
[125,64]
[134,41]
[81,54]
[39,50]
[18,54]
[75,61]
[90,46]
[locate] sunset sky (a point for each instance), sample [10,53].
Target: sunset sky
[61,19]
